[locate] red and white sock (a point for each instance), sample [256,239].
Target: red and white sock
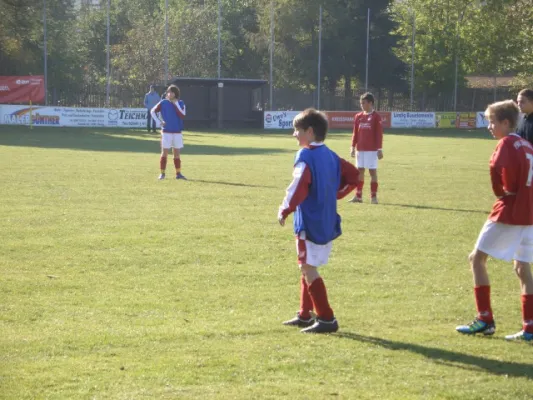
[527,312]
[484,311]
[373,189]
[306,304]
[163,164]
[177,165]
[319,295]
[359,189]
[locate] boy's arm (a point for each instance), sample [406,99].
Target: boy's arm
[354,135]
[378,130]
[296,192]
[154,112]
[349,178]
[180,108]
[497,166]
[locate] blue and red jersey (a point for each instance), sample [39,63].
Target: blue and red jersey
[171,113]
[320,177]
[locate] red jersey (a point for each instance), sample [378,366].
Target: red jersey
[367,132]
[511,173]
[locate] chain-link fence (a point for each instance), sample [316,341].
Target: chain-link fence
[256,40]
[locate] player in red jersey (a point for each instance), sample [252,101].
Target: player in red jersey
[367,141]
[508,232]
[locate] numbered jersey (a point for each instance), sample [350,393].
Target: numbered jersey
[511,172]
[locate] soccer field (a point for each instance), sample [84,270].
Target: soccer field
[114,285]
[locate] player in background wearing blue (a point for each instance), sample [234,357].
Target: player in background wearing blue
[150,100]
[170,112]
[320,177]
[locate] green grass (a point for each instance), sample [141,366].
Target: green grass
[114,285]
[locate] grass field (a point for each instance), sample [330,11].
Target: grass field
[114,285]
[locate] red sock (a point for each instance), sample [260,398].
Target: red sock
[163,163]
[319,295]
[177,165]
[373,189]
[484,312]
[527,312]
[306,304]
[359,189]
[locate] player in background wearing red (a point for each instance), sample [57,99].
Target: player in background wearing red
[508,232]
[320,177]
[367,141]
[170,112]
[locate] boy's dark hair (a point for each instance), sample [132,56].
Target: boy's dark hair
[368,97]
[504,110]
[174,89]
[527,93]
[314,119]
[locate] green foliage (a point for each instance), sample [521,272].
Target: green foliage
[487,37]
[467,31]
[117,286]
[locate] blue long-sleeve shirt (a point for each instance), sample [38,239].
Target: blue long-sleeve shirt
[151,99]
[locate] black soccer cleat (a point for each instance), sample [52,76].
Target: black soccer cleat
[300,322]
[322,326]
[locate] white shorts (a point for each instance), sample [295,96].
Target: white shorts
[169,140]
[366,159]
[506,242]
[311,253]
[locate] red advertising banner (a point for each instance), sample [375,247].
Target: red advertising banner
[385,119]
[22,89]
[344,119]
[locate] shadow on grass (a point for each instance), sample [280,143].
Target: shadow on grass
[118,140]
[420,207]
[233,184]
[447,357]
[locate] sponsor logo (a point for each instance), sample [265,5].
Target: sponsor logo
[22,117]
[125,114]
[4,88]
[285,124]
[39,119]
[268,118]
[112,115]
[412,115]
[22,82]
[342,119]
[16,119]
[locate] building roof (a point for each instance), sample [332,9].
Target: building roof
[487,82]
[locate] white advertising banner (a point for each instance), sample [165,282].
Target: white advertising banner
[413,120]
[71,116]
[128,117]
[279,119]
[481,121]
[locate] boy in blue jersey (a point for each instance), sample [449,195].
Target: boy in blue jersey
[172,112]
[320,177]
